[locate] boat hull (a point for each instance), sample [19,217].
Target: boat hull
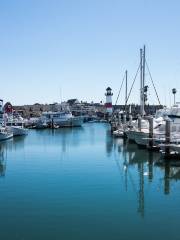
[5,136]
[71,122]
[18,131]
[141,138]
[130,135]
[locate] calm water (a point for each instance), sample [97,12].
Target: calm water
[83,184]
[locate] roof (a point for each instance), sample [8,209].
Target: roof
[108,89]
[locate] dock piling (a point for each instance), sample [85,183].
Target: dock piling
[124,118]
[139,123]
[151,132]
[168,136]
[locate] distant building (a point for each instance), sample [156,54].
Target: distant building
[8,108]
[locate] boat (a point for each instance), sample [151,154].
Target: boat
[132,131]
[176,148]
[15,123]
[40,124]
[18,129]
[61,119]
[5,133]
[118,133]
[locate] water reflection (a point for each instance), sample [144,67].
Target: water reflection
[3,158]
[171,173]
[63,137]
[130,157]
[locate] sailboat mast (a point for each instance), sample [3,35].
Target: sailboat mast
[143,78]
[126,88]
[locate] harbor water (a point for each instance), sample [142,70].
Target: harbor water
[81,183]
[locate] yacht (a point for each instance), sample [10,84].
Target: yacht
[61,119]
[173,114]
[5,133]
[15,123]
[18,129]
[132,131]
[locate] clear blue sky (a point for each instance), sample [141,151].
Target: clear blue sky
[83,46]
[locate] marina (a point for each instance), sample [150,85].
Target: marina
[89,120]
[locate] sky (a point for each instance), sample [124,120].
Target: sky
[53,50]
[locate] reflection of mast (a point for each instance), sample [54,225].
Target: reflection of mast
[150,166]
[167,179]
[141,189]
[125,170]
[125,166]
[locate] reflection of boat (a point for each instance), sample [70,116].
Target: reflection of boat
[2,161]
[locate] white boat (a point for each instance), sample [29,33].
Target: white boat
[61,119]
[141,136]
[176,148]
[19,130]
[5,134]
[132,132]
[118,133]
[15,125]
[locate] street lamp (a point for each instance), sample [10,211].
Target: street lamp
[174,91]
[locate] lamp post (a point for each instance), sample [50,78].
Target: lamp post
[174,91]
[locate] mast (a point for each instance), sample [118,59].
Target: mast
[126,88]
[143,79]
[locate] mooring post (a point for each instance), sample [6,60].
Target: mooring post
[124,118]
[130,120]
[139,123]
[119,119]
[52,123]
[168,136]
[151,134]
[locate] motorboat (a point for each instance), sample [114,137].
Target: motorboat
[18,129]
[61,119]
[15,124]
[5,133]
